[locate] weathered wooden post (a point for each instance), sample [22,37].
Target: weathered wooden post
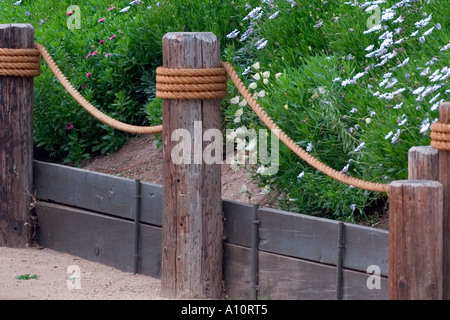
[192,211]
[16,141]
[432,164]
[415,240]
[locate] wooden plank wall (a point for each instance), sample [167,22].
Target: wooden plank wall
[91,215]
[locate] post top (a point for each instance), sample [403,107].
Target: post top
[182,36]
[16,25]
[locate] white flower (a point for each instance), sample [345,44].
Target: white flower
[353,207]
[353,110]
[375,28]
[345,169]
[243,103]
[17,3]
[358,148]
[237,120]
[125,9]
[301,174]
[273,16]
[309,147]
[337,79]
[135,2]
[266,81]
[266,74]
[425,126]
[244,188]
[261,44]
[395,138]
[398,106]
[233,34]
[256,76]
[388,135]
[253,85]
[262,94]
[261,170]
[234,100]
[256,66]
[239,112]
[319,24]
[418,90]
[428,32]
[370,48]
[424,22]
[278,75]
[265,190]
[404,63]
[414,33]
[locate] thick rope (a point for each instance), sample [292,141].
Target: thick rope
[440,136]
[89,107]
[366,185]
[173,83]
[19,62]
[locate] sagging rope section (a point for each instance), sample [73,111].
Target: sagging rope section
[183,84]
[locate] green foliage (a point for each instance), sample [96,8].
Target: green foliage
[312,72]
[27,277]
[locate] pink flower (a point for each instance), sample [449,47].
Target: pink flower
[69,126]
[94,53]
[89,54]
[69,13]
[88,74]
[102,41]
[101,20]
[111,8]
[112,37]
[107,55]
[83,85]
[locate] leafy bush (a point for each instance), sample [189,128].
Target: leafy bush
[354,88]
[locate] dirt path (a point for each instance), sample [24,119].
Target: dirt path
[58,278]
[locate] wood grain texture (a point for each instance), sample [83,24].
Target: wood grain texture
[99,238]
[192,212]
[423,163]
[415,240]
[444,178]
[96,191]
[16,143]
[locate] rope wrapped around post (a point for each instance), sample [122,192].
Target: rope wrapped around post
[172,83]
[20,62]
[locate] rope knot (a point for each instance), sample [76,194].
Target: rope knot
[184,84]
[20,62]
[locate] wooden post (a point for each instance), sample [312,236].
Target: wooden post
[444,178]
[423,163]
[415,240]
[192,211]
[16,143]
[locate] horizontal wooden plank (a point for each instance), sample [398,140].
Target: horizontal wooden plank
[96,191]
[316,239]
[286,278]
[98,238]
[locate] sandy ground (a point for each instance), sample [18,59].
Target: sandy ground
[65,277]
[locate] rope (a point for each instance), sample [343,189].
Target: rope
[201,84]
[173,83]
[366,185]
[19,62]
[440,136]
[89,107]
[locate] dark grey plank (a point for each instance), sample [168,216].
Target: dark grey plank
[315,239]
[237,272]
[298,235]
[96,191]
[288,278]
[98,238]
[238,222]
[366,246]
